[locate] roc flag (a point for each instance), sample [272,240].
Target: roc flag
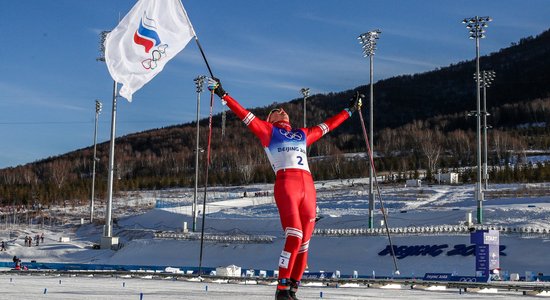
[151,34]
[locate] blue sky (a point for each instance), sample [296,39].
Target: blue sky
[263,51]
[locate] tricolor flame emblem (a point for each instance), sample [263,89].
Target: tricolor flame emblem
[146,34]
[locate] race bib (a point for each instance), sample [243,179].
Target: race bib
[284,259]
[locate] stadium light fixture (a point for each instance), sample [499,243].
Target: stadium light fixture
[199,82]
[475,26]
[368,44]
[98,107]
[487,77]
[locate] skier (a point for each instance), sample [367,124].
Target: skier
[17,262]
[294,191]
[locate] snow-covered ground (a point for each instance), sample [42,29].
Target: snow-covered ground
[79,288]
[343,204]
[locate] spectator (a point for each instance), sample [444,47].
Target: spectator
[17,263]
[37,238]
[30,241]
[3,246]
[42,238]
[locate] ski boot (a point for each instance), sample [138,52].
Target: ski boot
[283,295]
[283,290]
[293,289]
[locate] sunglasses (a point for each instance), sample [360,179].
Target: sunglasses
[276,110]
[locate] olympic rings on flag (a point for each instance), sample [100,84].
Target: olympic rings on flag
[156,55]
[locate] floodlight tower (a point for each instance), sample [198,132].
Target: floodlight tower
[108,240]
[199,81]
[305,93]
[98,107]
[368,42]
[476,26]
[487,78]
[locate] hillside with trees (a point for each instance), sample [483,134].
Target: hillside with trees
[420,123]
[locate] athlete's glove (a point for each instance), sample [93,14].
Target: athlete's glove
[215,85]
[355,103]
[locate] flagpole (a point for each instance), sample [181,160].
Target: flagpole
[204,56]
[107,240]
[196,39]
[211,75]
[122,54]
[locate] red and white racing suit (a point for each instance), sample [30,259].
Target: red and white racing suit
[294,190]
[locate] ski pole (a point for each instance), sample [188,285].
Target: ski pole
[207,148]
[206,177]
[371,161]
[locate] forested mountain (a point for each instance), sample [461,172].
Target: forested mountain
[420,123]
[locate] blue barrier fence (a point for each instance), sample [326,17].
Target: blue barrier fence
[99,267]
[207,270]
[146,268]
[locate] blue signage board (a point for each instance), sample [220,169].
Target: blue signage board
[487,250]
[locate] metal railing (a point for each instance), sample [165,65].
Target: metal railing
[432,230]
[219,238]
